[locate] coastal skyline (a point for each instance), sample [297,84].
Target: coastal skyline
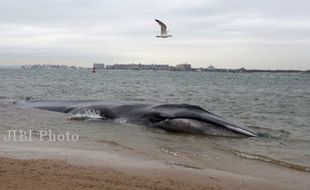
[252,34]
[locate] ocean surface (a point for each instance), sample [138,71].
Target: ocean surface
[276,105]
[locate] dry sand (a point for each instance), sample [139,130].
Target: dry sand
[56,174]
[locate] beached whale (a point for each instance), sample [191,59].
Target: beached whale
[184,118]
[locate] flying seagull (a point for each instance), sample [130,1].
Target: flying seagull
[163,30]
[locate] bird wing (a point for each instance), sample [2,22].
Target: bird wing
[163,27]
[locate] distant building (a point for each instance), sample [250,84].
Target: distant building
[211,68]
[99,66]
[27,66]
[139,66]
[242,69]
[50,66]
[184,67]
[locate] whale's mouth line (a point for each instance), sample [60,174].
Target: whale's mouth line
[190,125]
[199,118]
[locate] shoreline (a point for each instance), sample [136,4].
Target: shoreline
[46,167]
[115,162]
[238,70]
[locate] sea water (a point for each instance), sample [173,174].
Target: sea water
[275,105]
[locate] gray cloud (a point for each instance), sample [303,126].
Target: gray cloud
[252,33]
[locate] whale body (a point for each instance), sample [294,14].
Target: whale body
[185,118]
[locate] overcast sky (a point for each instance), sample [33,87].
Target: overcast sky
[262,34]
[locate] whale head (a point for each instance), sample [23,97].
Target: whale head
[194,119]
[193,126]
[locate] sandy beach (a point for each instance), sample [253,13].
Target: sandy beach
[101,163]
[45,167]
[55,174]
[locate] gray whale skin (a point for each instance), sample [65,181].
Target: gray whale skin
[183,118]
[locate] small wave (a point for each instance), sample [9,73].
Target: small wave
[3,97]
[166,150]
[271,160]
[15,99]
[87,114]
[112,143]
[185,165]
[189,163]
[271,133]
[121,120]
